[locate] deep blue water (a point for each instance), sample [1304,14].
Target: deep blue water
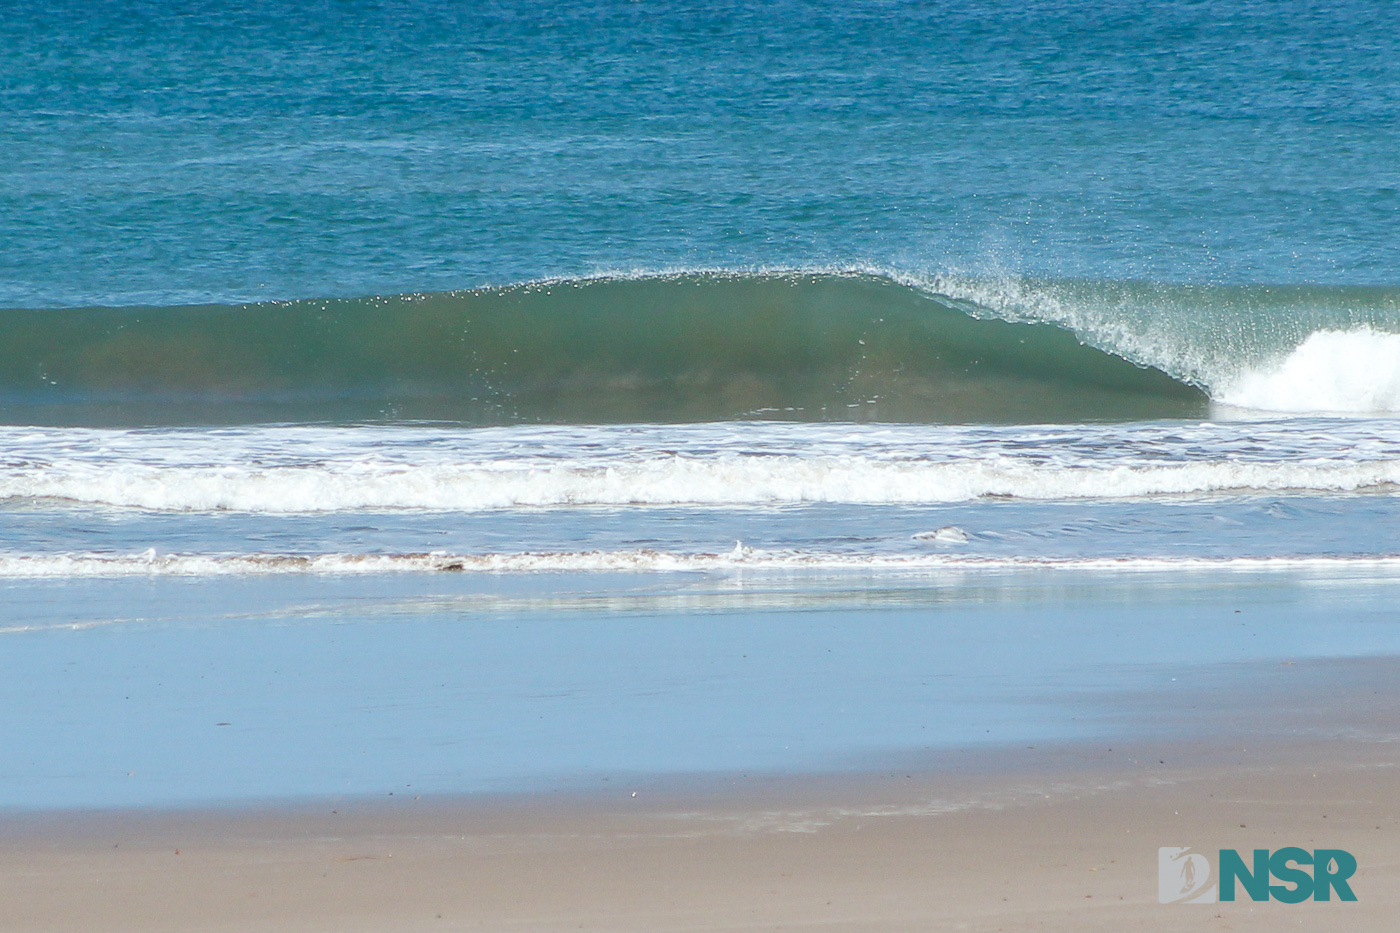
[228,152]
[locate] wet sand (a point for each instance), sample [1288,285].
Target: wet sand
[1063,838]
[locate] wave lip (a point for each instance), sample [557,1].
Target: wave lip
[1214,336]
[1351,371]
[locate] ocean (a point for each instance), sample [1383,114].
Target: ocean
[510,395]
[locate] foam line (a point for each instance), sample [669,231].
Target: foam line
[740,558]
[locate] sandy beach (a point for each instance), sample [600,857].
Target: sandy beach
[1063,838]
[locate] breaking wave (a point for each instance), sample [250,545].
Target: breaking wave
[838,345]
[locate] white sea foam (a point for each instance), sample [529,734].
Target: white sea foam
[1331,371]
[641,560]
[283,469]
[949,534]
[723,481]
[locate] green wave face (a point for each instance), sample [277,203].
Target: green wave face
[654,349]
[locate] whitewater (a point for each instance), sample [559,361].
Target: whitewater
[289,469]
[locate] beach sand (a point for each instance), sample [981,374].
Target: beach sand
[1062,838]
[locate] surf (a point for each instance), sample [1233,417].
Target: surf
[321,469]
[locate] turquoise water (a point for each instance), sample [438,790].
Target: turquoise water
[561,339]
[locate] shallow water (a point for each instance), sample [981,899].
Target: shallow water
[190,691]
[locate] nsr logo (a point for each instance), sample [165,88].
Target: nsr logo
[1182,875]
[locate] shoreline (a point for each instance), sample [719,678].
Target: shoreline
[1246,749]
[1063,836]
